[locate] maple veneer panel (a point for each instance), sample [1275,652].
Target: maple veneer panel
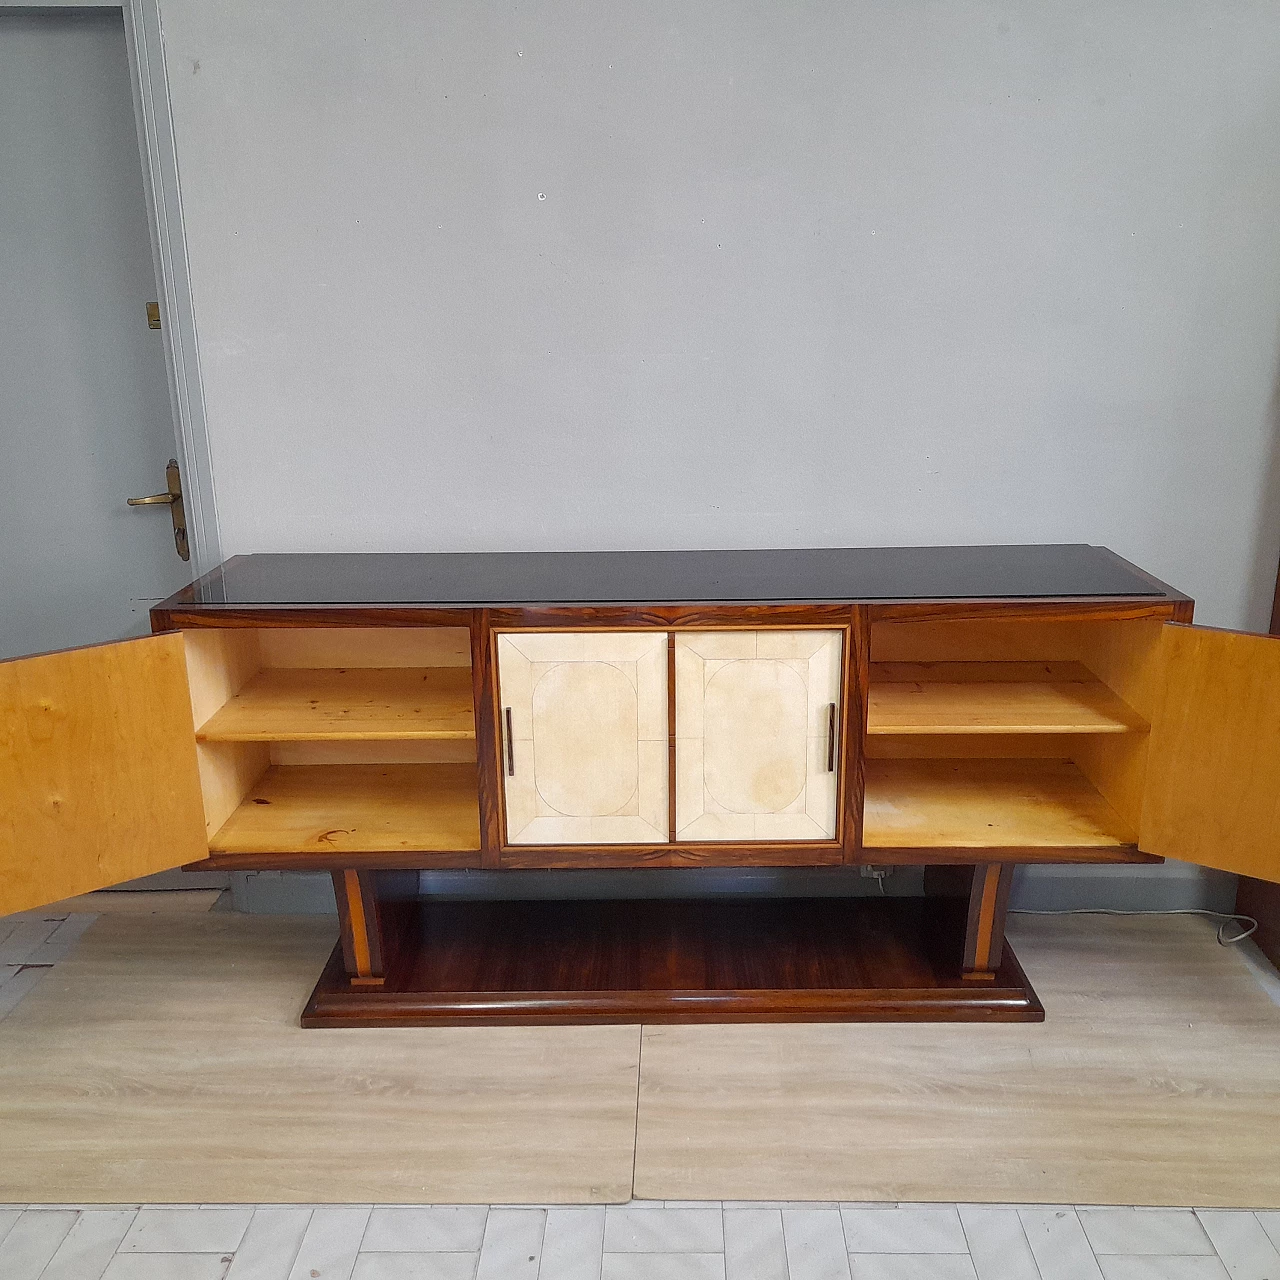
[974,803]
[98,774]
[356,808]
[1213,783]
[339,704]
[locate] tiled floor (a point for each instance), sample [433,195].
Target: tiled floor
[645,1240]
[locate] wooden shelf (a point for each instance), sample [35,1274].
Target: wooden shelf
[356,808]
[993,697]
[346,704]
[925,804]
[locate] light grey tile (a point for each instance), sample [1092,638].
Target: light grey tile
[1059,1244]
[914,1230]
[1241,1243]
[1156,1231]
[187,1231]
[572,1244]
[629,1230]
[415,1266]
[785,1204]
[8,971]
[61,940]
[17,988]
[1149,1266]
[89,1246]
[663,1266]
[911,1266]
[815,1244]
[330,1244]
[34,1239]
[997,1243]
[512,1244]
[754,1248]
[1270,1221]
[455,1228]
[270,1245]
[167,1266]
[8,1216]
[24,938]
[873,1204]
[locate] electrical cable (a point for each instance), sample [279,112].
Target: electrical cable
[1225,916]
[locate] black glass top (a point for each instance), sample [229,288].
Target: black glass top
[812,576]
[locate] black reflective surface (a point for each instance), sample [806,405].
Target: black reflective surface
[674,577]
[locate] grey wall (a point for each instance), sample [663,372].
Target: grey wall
[473,274]
[85,420]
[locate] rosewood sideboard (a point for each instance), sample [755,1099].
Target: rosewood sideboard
[964,709]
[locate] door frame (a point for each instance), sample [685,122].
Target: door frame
[149,84]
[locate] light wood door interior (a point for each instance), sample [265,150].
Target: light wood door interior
[1009,733]
[584,723]
[757,734]
[335,739]
[98,770]
[1213,786]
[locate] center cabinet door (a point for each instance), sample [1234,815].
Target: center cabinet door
[758,734]
[584,736]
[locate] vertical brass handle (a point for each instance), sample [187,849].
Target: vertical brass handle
[511,746]
[831,737]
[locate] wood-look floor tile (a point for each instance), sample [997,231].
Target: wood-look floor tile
[162,1061]
[1155,1079]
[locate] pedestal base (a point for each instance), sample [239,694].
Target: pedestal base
[713,960]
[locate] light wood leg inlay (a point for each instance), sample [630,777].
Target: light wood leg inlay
[361,926]
[984,934]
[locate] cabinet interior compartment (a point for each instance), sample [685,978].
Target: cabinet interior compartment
[1012,733]
[335,740]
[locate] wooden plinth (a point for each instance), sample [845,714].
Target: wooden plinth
[715,960]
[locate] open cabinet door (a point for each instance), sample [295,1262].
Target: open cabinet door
[1213,775]
[98,777]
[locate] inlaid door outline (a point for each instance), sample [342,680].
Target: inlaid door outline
[584,736]
[757,734]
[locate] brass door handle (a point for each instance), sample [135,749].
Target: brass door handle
[173,500]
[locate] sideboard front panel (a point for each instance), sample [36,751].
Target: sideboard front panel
[757,734]
[584,724]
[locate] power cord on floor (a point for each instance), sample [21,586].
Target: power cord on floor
[1225,916]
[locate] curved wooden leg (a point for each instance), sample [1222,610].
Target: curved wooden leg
[984,932]
[361,923]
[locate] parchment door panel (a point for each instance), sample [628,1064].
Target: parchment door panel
[754,734]
[588,736]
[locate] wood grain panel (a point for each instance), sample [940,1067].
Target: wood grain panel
[340,704]
[1012,698]
[98,770]
[164,1064]
[358,808]
[1213,782]
[385,646]
[983,803]
[1152,1081]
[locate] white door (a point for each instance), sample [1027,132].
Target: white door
[84,400]
[584,736]
[757,734]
